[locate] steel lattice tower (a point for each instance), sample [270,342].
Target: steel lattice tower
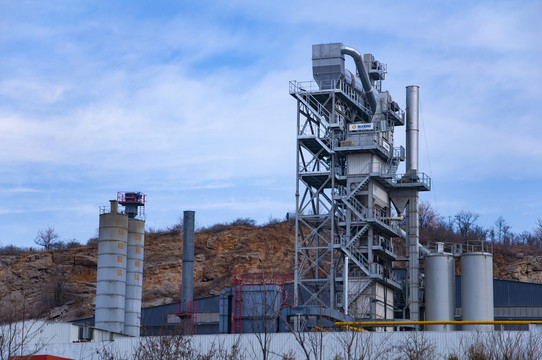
[349,197]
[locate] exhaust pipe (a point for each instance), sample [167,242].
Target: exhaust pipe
[188,257]
[412,129]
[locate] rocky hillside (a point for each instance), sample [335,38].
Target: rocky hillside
[61,284]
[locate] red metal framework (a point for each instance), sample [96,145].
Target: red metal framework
[241,280]
[131,197]
[237,304]
[187,311]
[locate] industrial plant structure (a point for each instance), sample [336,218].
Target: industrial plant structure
[349,194]
[351,198]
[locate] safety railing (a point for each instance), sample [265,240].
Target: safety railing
[358,98]
[420,178]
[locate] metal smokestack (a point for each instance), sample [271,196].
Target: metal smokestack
[412,129]
[188,257]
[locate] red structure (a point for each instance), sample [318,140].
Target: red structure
[131,197]
[187,312]
[38,357]
[241,280]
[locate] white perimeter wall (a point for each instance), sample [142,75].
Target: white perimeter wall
[332,344]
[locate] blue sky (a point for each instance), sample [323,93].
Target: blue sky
[188,102]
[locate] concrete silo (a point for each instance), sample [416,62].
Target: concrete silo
[111,277]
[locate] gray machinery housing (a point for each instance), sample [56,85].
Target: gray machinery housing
[349,196]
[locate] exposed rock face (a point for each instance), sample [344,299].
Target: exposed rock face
[61,285]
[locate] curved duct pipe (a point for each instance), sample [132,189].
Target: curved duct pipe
[423,250]
[364,76]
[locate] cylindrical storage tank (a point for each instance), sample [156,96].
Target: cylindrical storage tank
[477,289]
[111,278]
[134,276]
[439,289]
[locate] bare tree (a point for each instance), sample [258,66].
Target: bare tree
[496,345]
[261,304]
[502,232]
[18,336]
[361,345]
[47,238]
[165,346]
[466,222]
[537,234]
[428,217]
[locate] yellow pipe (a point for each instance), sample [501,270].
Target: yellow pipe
[318,328]
[394,323]
[356,329]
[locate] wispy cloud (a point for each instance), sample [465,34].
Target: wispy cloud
[190,100]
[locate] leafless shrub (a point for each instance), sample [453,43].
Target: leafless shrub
[506,345]
[219,351]
[290,355]
[109,352]
[416,346]
[244,221]
[357,345]
[12,250]
[165,347]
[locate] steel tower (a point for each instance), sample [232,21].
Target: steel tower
[349,197]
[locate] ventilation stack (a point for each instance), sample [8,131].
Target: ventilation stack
[111,278]
[187,294]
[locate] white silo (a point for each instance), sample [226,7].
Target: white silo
[439,289]
[111,277]
[134,276]
[477,289]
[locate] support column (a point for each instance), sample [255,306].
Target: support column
[413,258]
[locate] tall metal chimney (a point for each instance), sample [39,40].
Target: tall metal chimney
[412,129]
[188,257]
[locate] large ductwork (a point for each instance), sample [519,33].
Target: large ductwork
[412,129]
[329,67]
[188,257]
[364,76]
